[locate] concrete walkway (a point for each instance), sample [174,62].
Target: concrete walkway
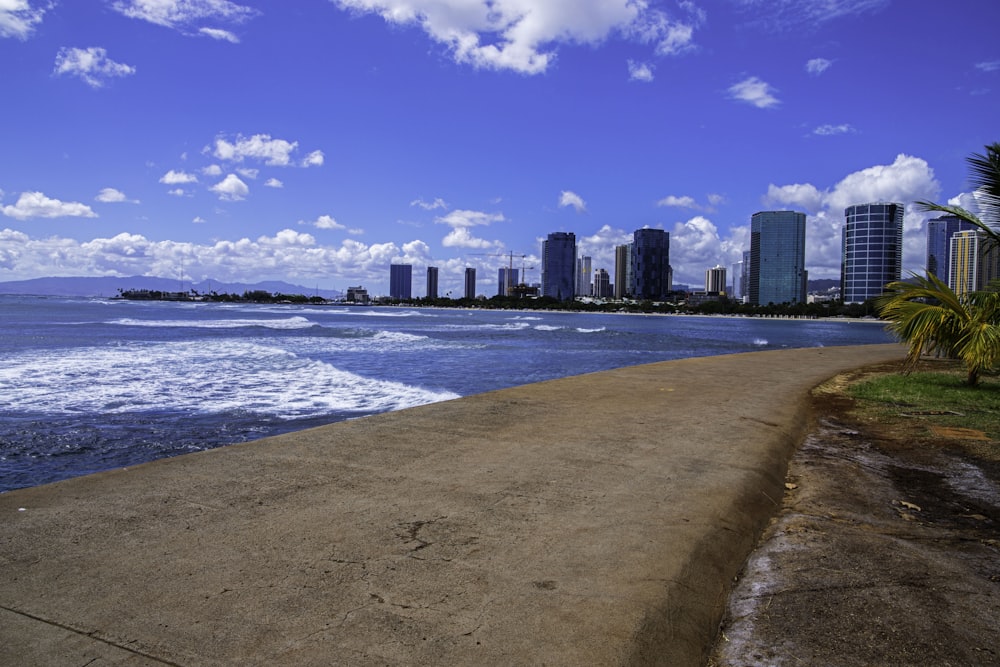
[593,520]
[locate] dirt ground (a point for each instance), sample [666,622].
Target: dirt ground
[886,550]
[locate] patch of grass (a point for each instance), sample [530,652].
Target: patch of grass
[931,396]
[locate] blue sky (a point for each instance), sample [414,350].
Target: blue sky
[318,141]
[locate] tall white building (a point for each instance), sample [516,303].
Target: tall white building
[974,260]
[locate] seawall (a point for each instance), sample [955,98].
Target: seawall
[592,520]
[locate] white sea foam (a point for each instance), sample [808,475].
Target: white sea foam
[195,376]
[546,327]
[284,323]
[526,317]
[597,330]
[760,342]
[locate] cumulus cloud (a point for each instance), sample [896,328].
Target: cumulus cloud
[817,66]
[324,222]
[261,147]
[461,221]
[231,188]
[212,170]
[37,205]
[754,91]
[906,180]
[111,195]
[680,202]
[198,219]
[273,183]
[247,172]
[92,65]
[18,18]
[429,206]
[188,16]
[830,130]
[179,178]
[523,35]
[639,71]
[570,198]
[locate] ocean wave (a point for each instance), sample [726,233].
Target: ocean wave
[546,327]
[196,377]
[760,342]
[597,330]
[295,322]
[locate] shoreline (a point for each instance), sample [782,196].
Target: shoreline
[564,522]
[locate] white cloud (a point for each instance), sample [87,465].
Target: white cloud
[817,66]
[111,195]
[988,66]
[187,16]
[429,206]
[18,18]
[37,205]
[830,130]
[680,202]
[249,173]
[219,34]
[273,183]
[231,188]
[639,71]
[324,222]
[799,195]
[570,198]
[754,91]
[92,65]
[314,159]
[177,192]
[212,170]
[198,219]
[461,218]
[906,180]
[522,35]
[459,237]
[178,178]
[261,147]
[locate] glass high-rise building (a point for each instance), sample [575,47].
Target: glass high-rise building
[872,243]
[432,282]
[602,284]
[939,233]
[559,266]
[470,282]
[506,281]
[777,258]
[651,272]
[583,266]
[623,262]
[400,281]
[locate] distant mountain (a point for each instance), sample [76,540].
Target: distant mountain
[107,287]
[823,284]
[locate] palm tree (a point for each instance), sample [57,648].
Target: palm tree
[985,178]
[929,316]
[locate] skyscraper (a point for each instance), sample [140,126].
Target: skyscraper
[470,283]
[736,285]
[559,266]
[506,281]
[715,280]
[872,242]
[583,266]
[432,282]
[623,259]
[602,284]
[400,281]
[651,272]
[777,258]
[975,261]
[939,233]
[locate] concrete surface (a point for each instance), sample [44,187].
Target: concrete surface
[593,520]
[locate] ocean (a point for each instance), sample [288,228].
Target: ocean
[94,384]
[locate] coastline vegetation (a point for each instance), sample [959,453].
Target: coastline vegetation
[929,316]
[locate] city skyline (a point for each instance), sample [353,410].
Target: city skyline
[320,143]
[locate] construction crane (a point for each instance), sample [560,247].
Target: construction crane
[510,255]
